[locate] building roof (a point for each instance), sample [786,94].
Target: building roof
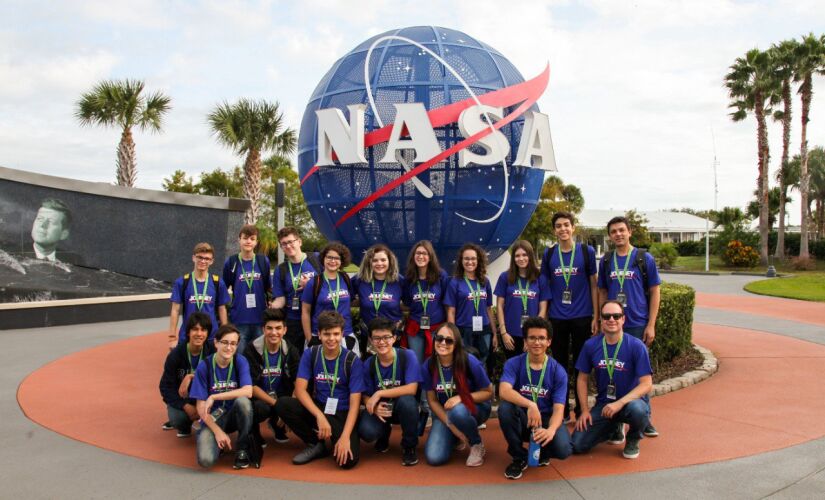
[659,221]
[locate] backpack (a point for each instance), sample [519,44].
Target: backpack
[312,257]
[585,253]
[641,263]
[187,278]
[316,289]
[263,263]
[315,353]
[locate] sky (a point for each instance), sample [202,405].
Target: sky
[636,101]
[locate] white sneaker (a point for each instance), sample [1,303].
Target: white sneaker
[476,457]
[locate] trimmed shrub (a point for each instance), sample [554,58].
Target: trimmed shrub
[817,249]
[739,255]
[665,255]
[691,248]
[674,325]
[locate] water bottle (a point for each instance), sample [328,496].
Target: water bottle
[533,452]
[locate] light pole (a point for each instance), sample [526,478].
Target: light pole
[715,196]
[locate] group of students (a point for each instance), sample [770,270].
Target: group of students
[305,367]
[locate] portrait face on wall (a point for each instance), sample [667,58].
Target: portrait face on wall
[51,226]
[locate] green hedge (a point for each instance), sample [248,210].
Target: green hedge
[674,325]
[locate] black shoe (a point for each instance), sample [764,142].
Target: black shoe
[631,449]
[241,460]
[515,469]
[410,457]
[280,435]
[618,435]
[650,431]
[310,453]
[382,444]
[184,433]
[544,461]
[167,426]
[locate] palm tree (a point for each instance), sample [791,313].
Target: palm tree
[816,170]
[783,59]
[732,219]
[120,103]
[250,128]
[753,87]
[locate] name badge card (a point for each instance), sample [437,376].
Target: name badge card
[296,302]
[621,298]
[331,406]
[567,297]
[424,323]
[478,324]
[611,391]
[523,319]
[250,301]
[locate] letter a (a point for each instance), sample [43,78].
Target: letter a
[535,148]
[413,117]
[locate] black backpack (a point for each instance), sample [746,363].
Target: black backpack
[312,257]
[641,263]
[187,278]
[315,353]
[585,253]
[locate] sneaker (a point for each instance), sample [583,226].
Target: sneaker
[650,431]
[410,457]
[476,457]
[310,453]
[167,426]
[482,426]
[544,461]
[382,444]
[280,435]
[631,449]
[184,433]
[241,460]
[618,435]
[515,469]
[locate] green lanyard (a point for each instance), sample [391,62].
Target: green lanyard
[251,280]
[335,297]
[443,383]
[189,358]
[534,391]
[621,276]
[424,300]
[476,293]
[228,372]
[326,373]
[611,363]
[567,271]
[296,279]
[377,301]
[200,298]
[523,291]
[378,372]
[269,377]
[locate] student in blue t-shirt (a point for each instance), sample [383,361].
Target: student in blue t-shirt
[469,301]
[391,378]
[623,380]
[379,289]
[459,393]
[327,397]
[197,291]
[521,293]
[247,276]
[223,388]
[425,284]
[331,290]
[533,390]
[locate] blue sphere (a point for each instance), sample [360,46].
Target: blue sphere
[401,72]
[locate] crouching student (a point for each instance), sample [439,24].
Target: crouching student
[459,392]
[178,371]
[327,390]
[222,386]
[391,380]
[533,389]
[273,365]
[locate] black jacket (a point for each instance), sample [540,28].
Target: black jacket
[174,369]
[254,354]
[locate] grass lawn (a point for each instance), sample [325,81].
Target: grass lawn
[691,263]
[810,286]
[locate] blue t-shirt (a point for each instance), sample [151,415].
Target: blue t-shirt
[390,305]
[344,385]
[636,312]
[434,293]
[213,298]
[411,373]
[207,382]
[461,297]
[632,362]
[553,388]
[282,286]
[536,291]
[582,303]
[324,302]
[477,378]
[270,379]
[236,272]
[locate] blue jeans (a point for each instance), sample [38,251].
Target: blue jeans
[405,412]
[248,333]
[238,418]
[639,333]
[636,413]
[179,419]
[513,422]
[416,345]
[478,340]
[441,440]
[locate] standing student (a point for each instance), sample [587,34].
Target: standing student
[379,290]
[222,387]
[533,390]
[521,293]
[459,393]
[331,290]
[247,276]
[469,301]
[197,291]
[391,378]
[424,289]
[570,269]
[291,277]
[273,366]
[327,397]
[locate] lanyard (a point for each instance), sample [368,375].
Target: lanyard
[200,298]
[621,276]
[424,300]
[296,279]
[566,271]
[611,363]
[534,391]
[335,374]
[251,280]
[228,372]
[378,372]
[523,291]
[269,377]
[444,384]
[377,301]
[476,293]
[335,297]
[189,358]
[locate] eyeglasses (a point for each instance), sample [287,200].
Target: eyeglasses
[440,339]
[228,343]
[614,316]
[289,243]
[536,340]
[384,339]
[469,259]
[203,259]
[422,253]
[332,257]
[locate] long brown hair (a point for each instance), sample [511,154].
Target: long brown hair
[532,268]
[481,266]
[460,365]
[365,270]
[433,268]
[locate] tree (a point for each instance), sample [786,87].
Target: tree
[222,183]
[250,128]
[752,87]
[638,224]
[555,196]
[179,183]
[816,164]
[774,197]
[732,219]
[120,103]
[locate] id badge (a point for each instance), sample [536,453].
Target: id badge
[389,404]
[250,301]
[478,324]
[567,297]
[611,391]
[331,406]
[217,413]
[621,298]
[296,302]
[424,322]
[273,395]
[523,319]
